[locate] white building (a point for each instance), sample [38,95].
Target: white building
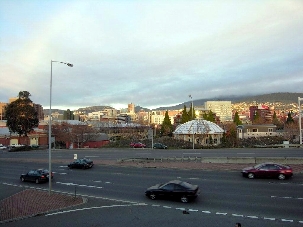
[222,109]
[201,131]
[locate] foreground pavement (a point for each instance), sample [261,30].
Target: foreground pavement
[20,202]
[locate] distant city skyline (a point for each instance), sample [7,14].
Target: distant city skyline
[150,53]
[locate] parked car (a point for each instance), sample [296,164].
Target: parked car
[2,147]
[268,170]
[37,175]
[138,145]
[174,189]
[81,164]
[13,145]
[159,146]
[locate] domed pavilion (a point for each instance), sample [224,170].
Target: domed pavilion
[200,131]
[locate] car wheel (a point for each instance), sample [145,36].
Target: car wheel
[22,179]
[184,199]
[281,176]
[37,181]
[251,175]
[152,196]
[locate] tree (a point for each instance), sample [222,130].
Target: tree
[289,119]
[185,117]
[209,116]
[21,116]
[191,113]
[166,128]
[237,120]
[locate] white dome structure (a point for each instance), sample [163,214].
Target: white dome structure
[201,131]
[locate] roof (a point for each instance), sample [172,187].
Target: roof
[198,126]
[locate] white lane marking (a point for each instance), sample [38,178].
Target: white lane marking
[167,207]
[221,213]
[237,215]
[88,208]
[191,153]
[62,173]
[193,210]
[287,220]
[180,209]
[206,212]
[62,166]
[253,217]
[301,222]
[271,219]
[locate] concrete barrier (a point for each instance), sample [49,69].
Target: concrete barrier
[241,160]
[220,160]
[214,160]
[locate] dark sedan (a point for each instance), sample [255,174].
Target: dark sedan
[174,189]
[268,170]
[81,164]
[37,175]
[159,146]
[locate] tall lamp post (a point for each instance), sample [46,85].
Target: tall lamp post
[300,130]
[50,124]
[192,116]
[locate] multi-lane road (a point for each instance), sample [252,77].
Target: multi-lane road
[116,194]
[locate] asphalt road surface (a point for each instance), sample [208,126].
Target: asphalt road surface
[116,194]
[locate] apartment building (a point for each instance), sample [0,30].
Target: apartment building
[222,109]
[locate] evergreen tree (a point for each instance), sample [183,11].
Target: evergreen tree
[289,119]
[237,120]
[191,113]
[166,128]
[209,116]
[21,115]
[185,117]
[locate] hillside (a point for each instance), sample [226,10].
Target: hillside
[283,97]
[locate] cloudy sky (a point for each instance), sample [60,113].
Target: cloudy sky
[150,53]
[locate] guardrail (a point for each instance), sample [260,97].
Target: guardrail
[280,146]
[220,160]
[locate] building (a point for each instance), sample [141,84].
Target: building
[2,110]
[200,131]
[222,109]
[263,111]
[249,131]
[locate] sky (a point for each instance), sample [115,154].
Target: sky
[149,53]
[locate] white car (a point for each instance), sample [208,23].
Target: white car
[2,147]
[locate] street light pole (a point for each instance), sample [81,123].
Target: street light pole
[50,126]
[300,130]
[192,116]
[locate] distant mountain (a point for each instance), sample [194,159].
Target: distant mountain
[283,97]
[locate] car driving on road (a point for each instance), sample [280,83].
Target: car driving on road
[174,189]
[268,170]
[83,163]
[37,176]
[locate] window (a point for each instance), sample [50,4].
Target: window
[270,130]
[255,130]
[168,187]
